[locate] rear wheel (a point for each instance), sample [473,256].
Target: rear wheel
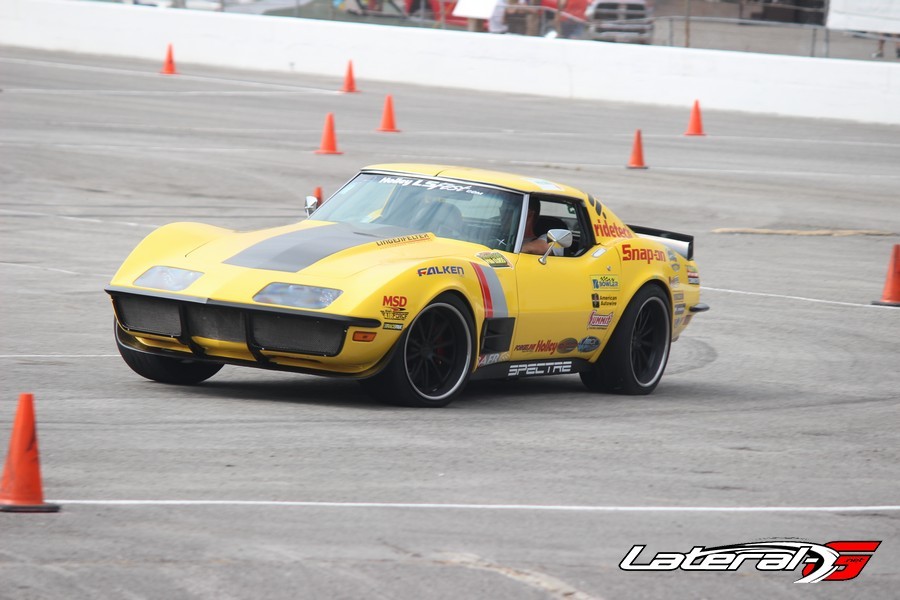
[433,359]
[635,358]
[165,369]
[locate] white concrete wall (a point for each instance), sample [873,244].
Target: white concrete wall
[773,84]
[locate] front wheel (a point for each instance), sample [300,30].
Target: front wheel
[635,358]
[433,359]
[164,369]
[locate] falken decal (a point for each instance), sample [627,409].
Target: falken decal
[492,293]
[442,270]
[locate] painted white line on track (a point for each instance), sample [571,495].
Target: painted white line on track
[154,75]
[58,355]
[621,167]
[501,507]
[38,268]
[28,213]
[786,297]
[48,92]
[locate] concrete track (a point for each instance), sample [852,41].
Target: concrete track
[777,418]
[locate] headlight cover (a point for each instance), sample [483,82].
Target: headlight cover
[170,279]
[299,296]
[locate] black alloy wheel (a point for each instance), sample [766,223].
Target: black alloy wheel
[433,358]
[636,353]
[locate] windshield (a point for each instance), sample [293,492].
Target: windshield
[456,210]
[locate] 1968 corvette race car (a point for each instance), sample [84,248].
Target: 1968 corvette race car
[413,280]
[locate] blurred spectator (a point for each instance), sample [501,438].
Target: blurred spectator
[879,50]
[497,22]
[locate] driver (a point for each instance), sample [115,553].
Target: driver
[531,243]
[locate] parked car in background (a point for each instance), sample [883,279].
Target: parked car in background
[630,21]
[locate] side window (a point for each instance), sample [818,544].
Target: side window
[564,213]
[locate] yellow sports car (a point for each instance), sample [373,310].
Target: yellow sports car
[415,279]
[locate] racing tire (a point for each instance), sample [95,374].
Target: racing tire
[433,358]
[165,369]
[635,358]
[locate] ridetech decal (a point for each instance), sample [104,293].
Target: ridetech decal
[611,230]
[834,561]
[645,254]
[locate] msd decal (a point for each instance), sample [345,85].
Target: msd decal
[834,561]
[394,301]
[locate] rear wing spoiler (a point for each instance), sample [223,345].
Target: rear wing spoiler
[681,243]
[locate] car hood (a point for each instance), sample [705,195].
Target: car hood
[325,249]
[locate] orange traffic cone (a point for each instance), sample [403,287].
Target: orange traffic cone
[891,295]
[349,83]
[329,144]
[20,488]
[695,126]
[318,194]
[387,118]
[637,153]
[169,65]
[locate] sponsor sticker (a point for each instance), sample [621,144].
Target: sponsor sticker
[588,344]
[595,300]
[443,270]
[679,309]
[611,230]
[405,239]
[394,326]
[567,345]
[391,314]
[543,368]
[678,296]
[605,282]
[494,259]
[429,184]
[599,321]
[542,346]
[394,301]
[834,561]
[642,254]
[674,281]
[490,359]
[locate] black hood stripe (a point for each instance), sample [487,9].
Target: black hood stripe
[294,251]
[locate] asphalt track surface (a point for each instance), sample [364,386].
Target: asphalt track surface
[776,420]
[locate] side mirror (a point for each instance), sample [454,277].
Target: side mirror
[312,203]
[556,237]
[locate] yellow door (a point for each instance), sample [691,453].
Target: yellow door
[566,307]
